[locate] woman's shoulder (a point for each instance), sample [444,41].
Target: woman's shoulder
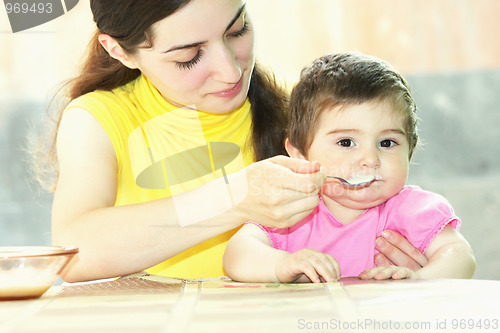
[108,99]
[119,111]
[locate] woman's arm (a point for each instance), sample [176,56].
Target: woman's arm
[116,241]
[396,249]
[250,257]
[449,256]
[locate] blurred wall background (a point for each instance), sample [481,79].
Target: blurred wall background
[448,50]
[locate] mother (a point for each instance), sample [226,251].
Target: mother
[167,145]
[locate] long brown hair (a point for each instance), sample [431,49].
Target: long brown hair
[129,23]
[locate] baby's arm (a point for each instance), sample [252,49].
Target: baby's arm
[449,256]
[250,257]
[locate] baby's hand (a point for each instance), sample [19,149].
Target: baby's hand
[388,272]
[307,265]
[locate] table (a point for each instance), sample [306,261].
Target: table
[146,303]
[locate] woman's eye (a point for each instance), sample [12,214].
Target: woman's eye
[346,143]
[387,143]
[242,31]
[190,64]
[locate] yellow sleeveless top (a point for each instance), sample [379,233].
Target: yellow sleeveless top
[162,151]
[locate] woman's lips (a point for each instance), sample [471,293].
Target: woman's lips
[230,92]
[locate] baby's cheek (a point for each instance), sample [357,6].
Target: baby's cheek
[332,190]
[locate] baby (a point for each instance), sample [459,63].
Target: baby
[356,116]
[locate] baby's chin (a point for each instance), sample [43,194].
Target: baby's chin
[357,198]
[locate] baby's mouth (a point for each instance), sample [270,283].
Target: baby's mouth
[362,181]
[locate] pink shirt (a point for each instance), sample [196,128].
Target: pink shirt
[417,214]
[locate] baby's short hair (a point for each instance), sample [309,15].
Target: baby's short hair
[346,79]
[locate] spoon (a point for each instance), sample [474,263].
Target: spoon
[355,181]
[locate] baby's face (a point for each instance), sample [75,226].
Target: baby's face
[357,140]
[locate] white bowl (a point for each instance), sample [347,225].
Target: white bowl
[29,271]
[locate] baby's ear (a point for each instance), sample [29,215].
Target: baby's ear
[293,151]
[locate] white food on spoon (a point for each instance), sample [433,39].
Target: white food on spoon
[361,179]
[355,181]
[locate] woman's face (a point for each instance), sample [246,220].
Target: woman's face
[202,56]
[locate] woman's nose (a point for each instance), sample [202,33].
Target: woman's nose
[225,68]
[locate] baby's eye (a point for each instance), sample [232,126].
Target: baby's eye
[388,143]
[346,143]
